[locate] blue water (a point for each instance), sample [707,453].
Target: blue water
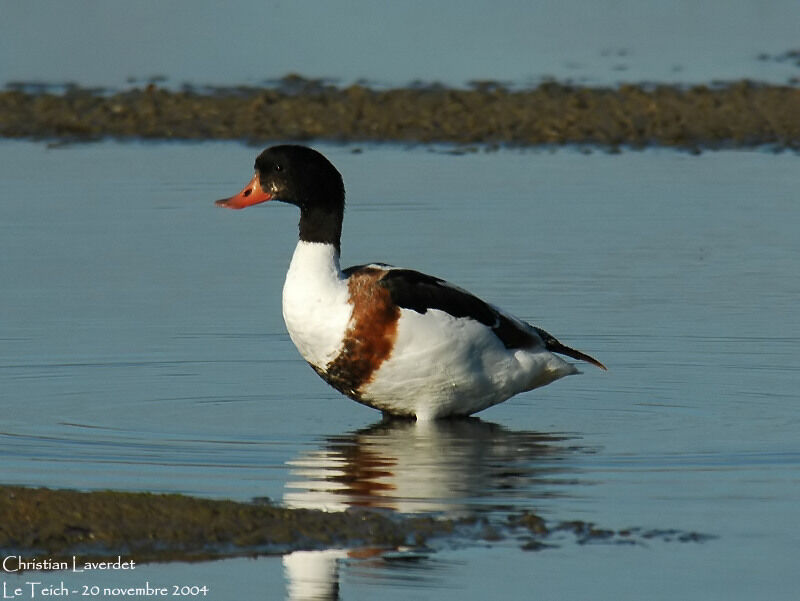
[142,348]
[113,42]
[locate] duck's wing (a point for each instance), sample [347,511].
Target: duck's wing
[419,292]
[416,291]
[554,346]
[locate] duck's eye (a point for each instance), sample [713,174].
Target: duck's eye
[278,167]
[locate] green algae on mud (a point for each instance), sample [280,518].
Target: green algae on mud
[60,524]
[737,114]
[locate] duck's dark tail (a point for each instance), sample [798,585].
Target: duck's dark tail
[553,345]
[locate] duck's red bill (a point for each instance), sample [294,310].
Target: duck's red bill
[252,194]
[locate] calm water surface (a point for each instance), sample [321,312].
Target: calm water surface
[142,348]
[115,42]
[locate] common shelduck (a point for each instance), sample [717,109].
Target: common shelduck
[406,343]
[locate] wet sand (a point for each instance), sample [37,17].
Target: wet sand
[739,114]
[142,527]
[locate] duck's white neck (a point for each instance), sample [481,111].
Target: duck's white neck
[316,261]
[315,302]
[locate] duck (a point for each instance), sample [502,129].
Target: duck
[406,343]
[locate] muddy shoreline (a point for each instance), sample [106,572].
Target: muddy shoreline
[486,115]
[57,525]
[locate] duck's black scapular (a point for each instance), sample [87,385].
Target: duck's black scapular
[395,339]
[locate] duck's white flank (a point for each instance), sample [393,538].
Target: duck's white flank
[443,365]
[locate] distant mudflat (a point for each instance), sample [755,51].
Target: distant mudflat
[487,114]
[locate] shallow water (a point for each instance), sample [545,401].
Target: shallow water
[142,348]
[520,42]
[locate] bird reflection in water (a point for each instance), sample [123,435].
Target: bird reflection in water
[454,468]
